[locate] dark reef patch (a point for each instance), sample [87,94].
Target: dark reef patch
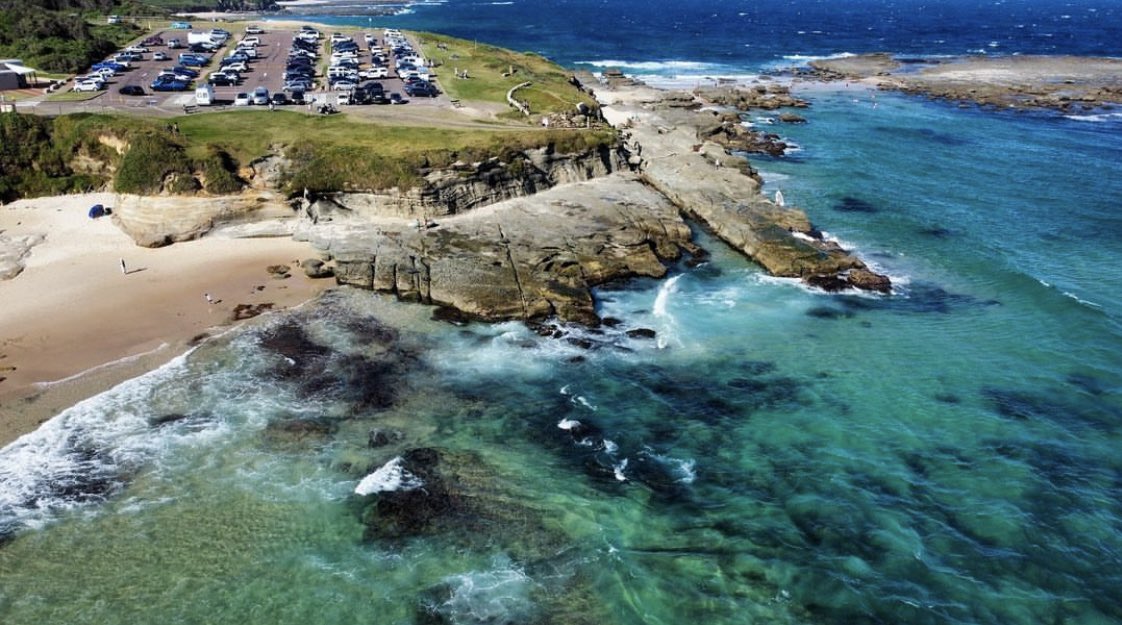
[850,204]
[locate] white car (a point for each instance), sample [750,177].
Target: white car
[242,99]
[89,85]
[239,67]
[160,56]
[250,41]
[253,29]
[137,49]
[378,72]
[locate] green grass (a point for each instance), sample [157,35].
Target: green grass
[73,96]
[486,66]
[326,153]
[334,153]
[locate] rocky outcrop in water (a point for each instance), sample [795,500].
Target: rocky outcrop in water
[779,238]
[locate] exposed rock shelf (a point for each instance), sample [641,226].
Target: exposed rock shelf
[728,199]
[1064,83]
[526,258]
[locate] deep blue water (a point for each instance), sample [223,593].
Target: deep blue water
[739,35]
[951,453]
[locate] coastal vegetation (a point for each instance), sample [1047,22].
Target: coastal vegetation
[204,153]
[491,72]
[63,35]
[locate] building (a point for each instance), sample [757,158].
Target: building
[13,75]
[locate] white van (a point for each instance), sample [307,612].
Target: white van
[204,95]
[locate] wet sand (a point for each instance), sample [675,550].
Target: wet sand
[73,325]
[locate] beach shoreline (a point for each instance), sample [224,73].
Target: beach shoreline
[74,324]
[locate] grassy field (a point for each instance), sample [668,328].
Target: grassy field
[493,71]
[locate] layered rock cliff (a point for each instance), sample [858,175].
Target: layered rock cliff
[466,186]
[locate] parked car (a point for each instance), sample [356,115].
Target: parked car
[168,85]
[254,29]
[242,99]
[160,56]
[420,89]
[137,49]
[131,90]
[237,66]
[221,80]
[296,96]
[174,44]
[395,98]
[192,60]
[180,69]
[154,40]
[250,41]
[89,85]
[279,99]
[261,96]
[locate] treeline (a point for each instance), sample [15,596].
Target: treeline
[63,36]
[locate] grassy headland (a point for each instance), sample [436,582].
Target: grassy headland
[493,71]
[43,156]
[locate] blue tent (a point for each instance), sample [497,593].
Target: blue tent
[97,210]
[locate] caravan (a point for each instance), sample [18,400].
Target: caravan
[204,95]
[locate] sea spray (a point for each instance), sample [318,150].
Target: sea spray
[660,310]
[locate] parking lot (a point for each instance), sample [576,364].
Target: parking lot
[267,71]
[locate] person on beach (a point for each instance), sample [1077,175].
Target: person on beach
[209,299]
[124,271]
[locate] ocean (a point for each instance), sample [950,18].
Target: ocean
[945,454]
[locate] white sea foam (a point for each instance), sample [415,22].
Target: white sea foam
[87,446]
[568,424]
[618,469]
[1082,301]
[581,401]
[660,311]
[389,477]
[805,59]
[500,595]
[565,389]
[1098,118]
[656,66]
[610,446]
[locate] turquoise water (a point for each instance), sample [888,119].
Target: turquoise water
[947,454]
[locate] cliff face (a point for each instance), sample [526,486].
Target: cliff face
[467,186]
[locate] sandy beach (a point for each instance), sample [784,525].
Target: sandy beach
[73,325]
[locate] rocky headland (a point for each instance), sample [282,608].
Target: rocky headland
[529,239]
[1062,83]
